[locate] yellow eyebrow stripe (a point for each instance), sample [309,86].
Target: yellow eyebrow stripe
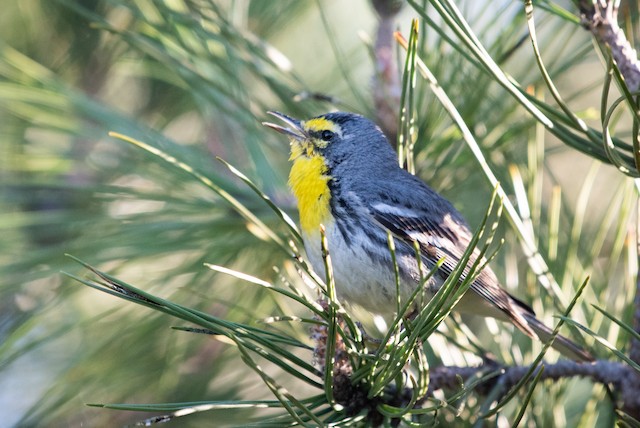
[321,124]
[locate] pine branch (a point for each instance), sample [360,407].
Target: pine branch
[622,379]
[386,81]
[621,376]
[600,17]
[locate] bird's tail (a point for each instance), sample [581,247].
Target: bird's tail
[561,344]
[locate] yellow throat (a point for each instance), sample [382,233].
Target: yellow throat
[310,185]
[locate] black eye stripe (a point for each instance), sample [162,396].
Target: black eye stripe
[326,135]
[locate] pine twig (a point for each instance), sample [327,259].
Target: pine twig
[386,83]
[600,17]
[620,376]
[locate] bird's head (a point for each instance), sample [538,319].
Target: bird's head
[337,137]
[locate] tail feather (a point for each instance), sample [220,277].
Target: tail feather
[561,344]
[501,305]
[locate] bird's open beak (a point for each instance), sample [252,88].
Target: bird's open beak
[295,131]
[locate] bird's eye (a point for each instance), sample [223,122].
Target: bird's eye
[326,135]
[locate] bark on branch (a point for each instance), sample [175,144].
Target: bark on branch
[600,17]
[621,377]
[386,80]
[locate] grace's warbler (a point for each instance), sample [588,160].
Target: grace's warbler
[346,176]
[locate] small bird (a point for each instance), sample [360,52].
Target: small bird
[345,176]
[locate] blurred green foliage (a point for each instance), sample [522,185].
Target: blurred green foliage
[194,78]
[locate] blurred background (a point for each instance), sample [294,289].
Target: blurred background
[195,78]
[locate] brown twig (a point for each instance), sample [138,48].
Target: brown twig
[621,378]
[619,375]
[600,17]
[386,81]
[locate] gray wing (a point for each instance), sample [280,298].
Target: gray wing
[443,233]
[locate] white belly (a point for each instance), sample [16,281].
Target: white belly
[358,279]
